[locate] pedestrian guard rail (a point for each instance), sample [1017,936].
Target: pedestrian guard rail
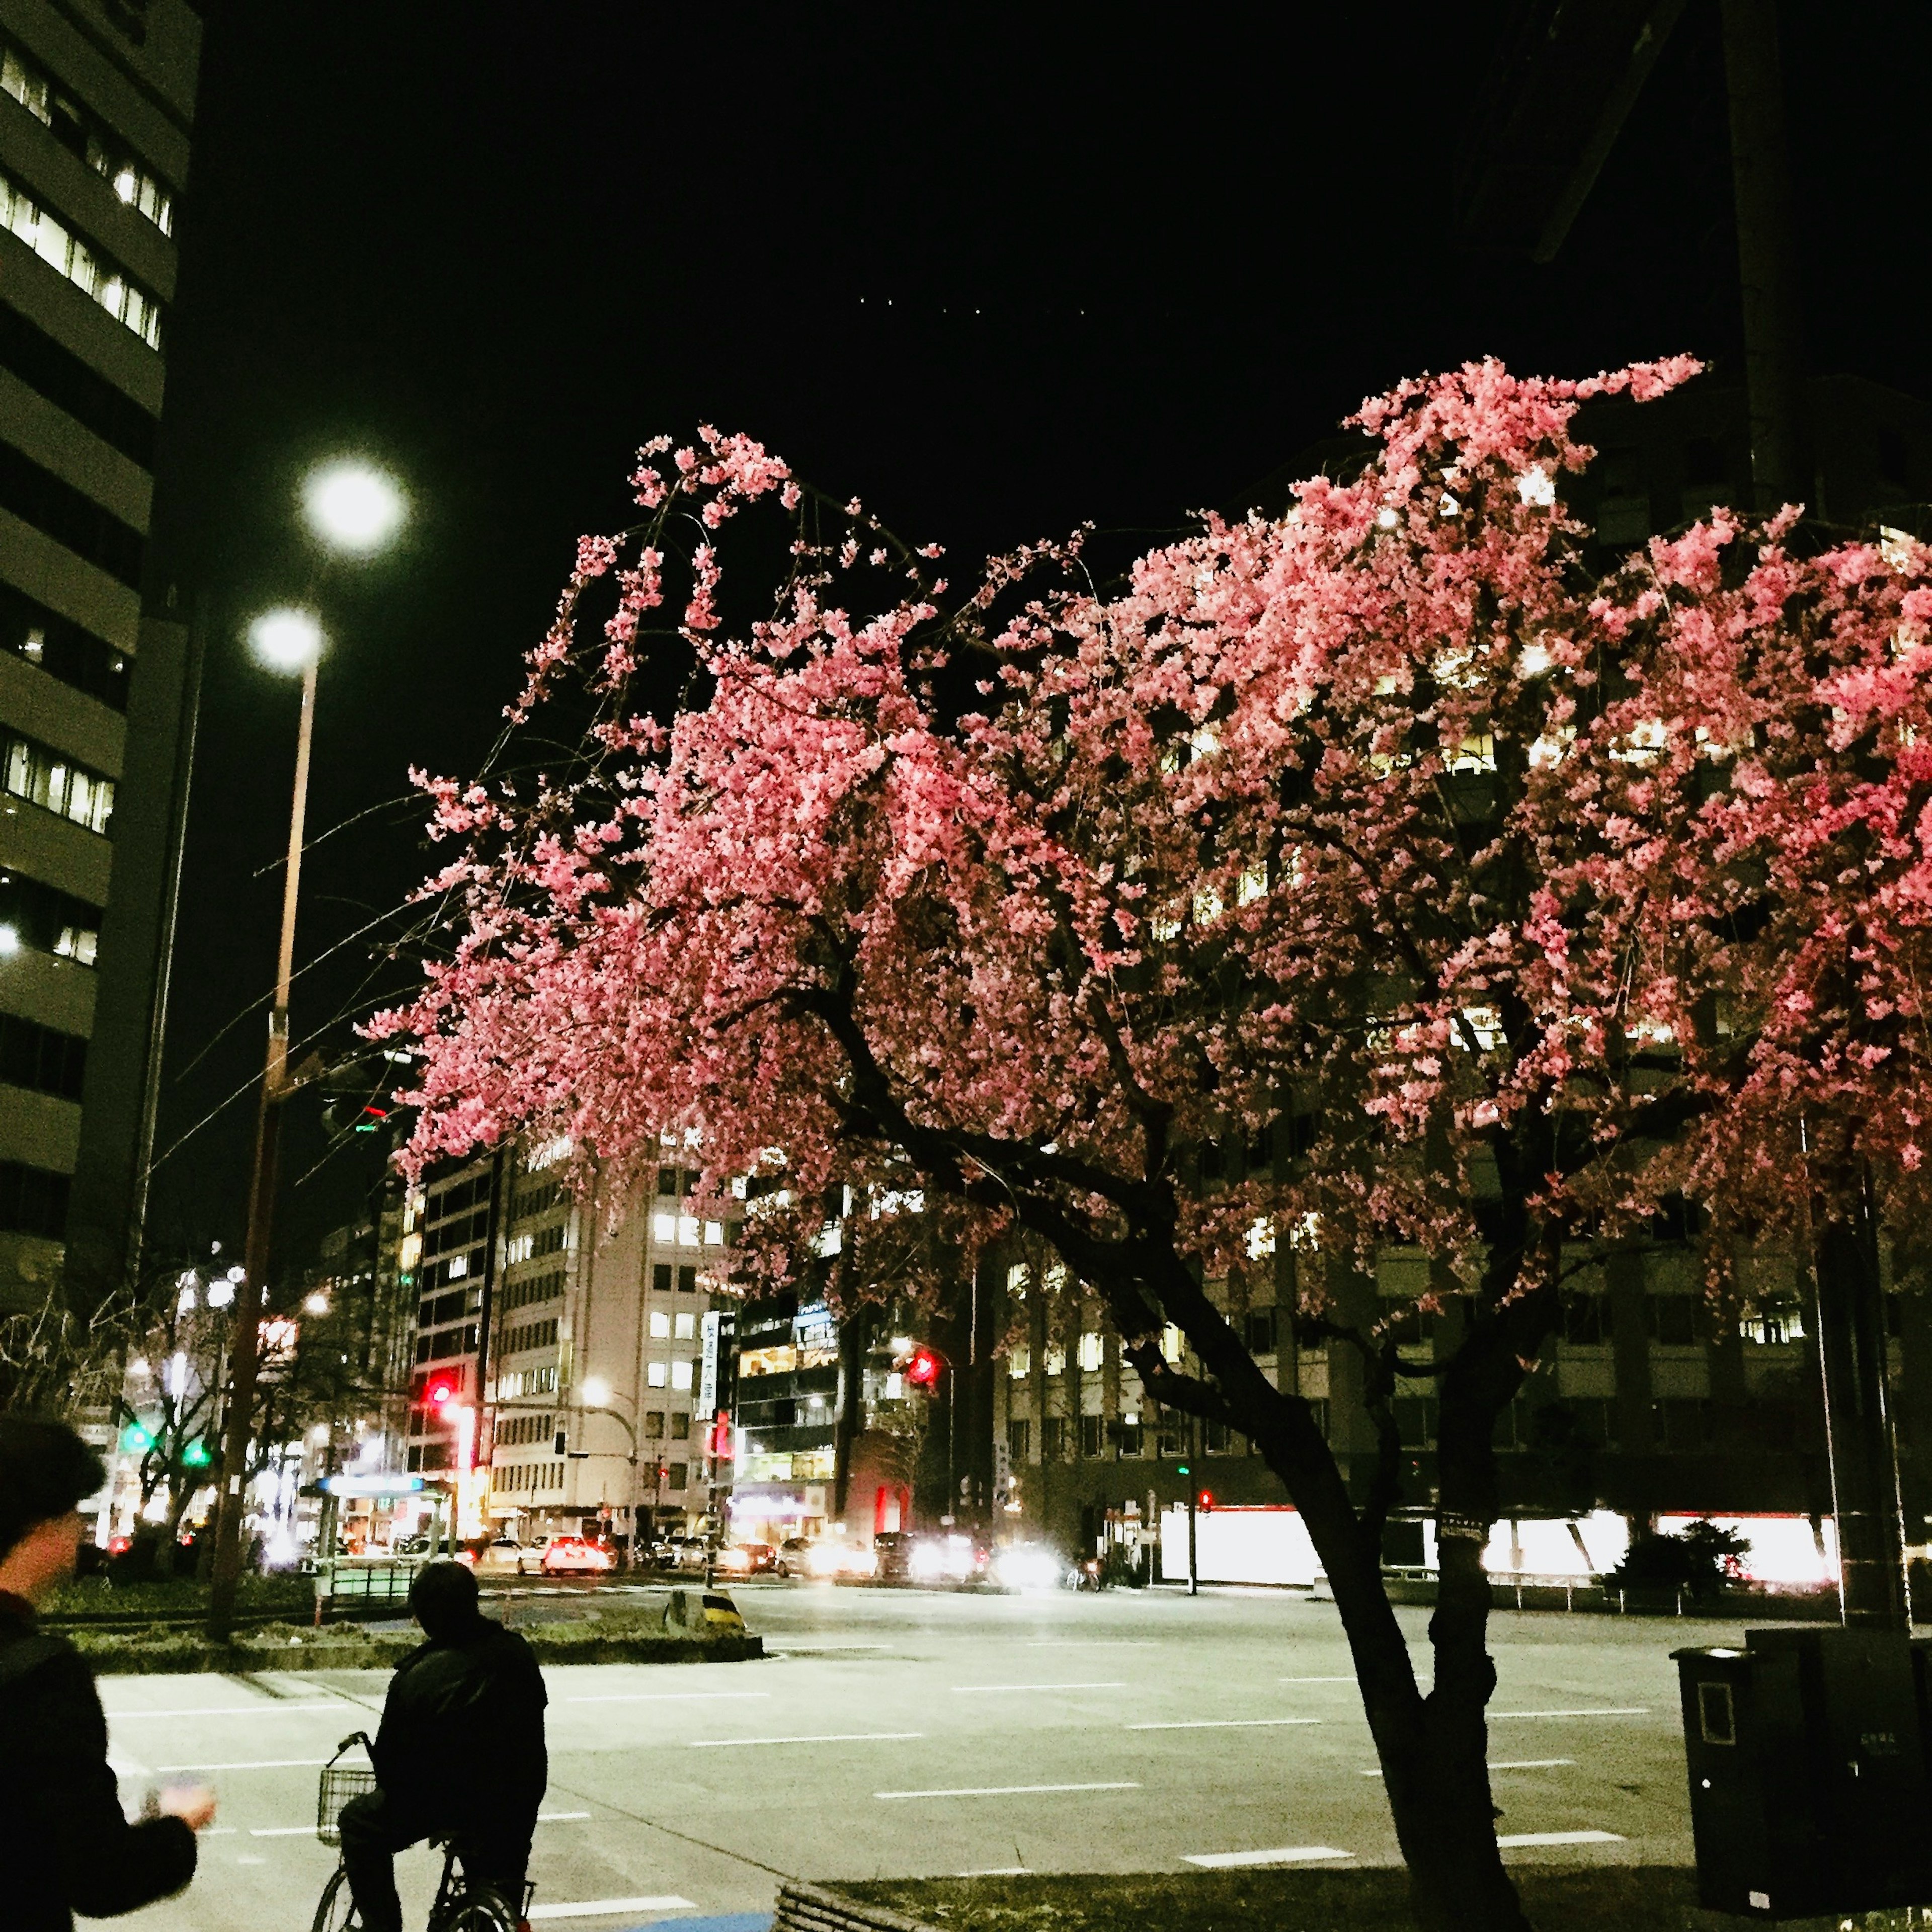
[350,1583]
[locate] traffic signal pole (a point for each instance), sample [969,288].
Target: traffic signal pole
[245,1363]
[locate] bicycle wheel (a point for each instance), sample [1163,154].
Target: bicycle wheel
[337,1913]
[478,1911]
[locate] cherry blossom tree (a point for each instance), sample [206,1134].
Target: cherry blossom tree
[1496,891]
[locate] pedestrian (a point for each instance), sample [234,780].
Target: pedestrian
[459,1753]
[65,1844]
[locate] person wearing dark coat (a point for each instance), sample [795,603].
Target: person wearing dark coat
[460,1753]
[65,1844]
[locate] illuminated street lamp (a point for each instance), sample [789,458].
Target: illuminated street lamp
[351,509]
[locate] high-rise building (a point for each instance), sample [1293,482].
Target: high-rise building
[96,690]
[565,1361]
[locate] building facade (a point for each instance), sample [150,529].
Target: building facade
[563,1360]
[97,689]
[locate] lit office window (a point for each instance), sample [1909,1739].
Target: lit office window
[680,1375]
[46,777]
[132,180]
[657,1374]
[660,1325]
[686,1326]
[91,272]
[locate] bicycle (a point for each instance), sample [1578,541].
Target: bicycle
[462,1904]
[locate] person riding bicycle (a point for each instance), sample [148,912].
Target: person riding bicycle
[65,1844]
[459,1753]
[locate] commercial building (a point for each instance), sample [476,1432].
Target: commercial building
[96,687]
[564,1361]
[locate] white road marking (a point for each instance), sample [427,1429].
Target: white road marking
[609,1908]
[305,1831]
[1282,1854]
[1008,1790]
[995,1871]
[1506,1764]
[961,1688]
[823,1737]
[1515,1839]
[1620,1711]
[665,1697]
[1087,1643]
[1221,1724]
[266,1709]
[252,1764]
[1315,1680]
[770,1646]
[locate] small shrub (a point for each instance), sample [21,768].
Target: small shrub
[1700,1562]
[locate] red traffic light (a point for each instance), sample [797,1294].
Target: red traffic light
[922,1369]
[441,1390]
[1207,1499]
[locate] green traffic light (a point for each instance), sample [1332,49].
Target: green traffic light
[135,1437]
[195,1455]
[1181,1469]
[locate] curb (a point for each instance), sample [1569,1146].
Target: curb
[812,1908]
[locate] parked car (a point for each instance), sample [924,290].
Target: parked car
[794,1557]
[689,1552]
[574,1556]
[501,1552]
[747,1559]
[529,1558]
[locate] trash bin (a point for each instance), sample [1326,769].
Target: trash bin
[1809,1787]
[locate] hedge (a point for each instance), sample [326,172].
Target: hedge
[339,1647]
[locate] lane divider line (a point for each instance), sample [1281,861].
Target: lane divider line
[823,1737]
[1515,1841]
[1505,1764]
[262,1710]
[1010,1790]
[609,1908]
[1220,1724]
[961,1689]
[252,1764]
[1619,1711]
[1282,1854]
[665,1697]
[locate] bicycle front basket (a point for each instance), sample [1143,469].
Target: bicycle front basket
[340,1783]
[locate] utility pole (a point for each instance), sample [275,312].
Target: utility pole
[1193,1457]
[1761,191]
[1873,1588]
[246,1349]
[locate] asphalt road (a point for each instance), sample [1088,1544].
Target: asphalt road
[900,1733]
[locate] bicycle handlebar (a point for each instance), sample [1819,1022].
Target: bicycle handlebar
[354,1738]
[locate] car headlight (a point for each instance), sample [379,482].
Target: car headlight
[1026,1567]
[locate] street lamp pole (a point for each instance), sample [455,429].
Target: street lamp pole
[247,1352]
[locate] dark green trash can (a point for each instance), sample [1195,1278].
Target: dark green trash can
[1809,1787]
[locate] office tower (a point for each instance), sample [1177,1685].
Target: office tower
[97,685]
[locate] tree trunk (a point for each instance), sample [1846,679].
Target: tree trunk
[1434,1749]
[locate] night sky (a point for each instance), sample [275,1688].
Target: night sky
[999,273]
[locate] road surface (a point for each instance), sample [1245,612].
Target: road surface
[893,1733]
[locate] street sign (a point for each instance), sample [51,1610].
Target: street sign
[707,1371]
[1003,1476]
[347,1484]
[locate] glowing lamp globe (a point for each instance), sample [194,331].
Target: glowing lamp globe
[352,507]
[286,640]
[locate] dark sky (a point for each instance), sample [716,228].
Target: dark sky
[998,271]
